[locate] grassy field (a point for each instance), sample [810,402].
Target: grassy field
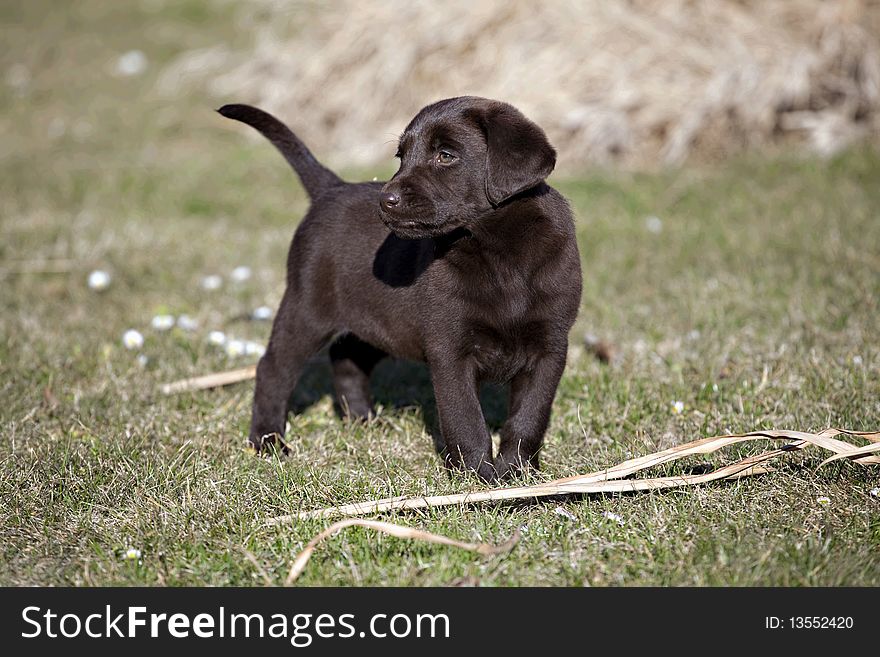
[752,298]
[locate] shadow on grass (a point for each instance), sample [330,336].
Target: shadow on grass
[395,384]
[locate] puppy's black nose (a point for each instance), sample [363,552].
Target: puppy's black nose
[389,200]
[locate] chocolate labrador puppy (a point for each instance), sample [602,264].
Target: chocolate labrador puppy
[466,259]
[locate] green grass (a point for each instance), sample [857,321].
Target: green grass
[764,282]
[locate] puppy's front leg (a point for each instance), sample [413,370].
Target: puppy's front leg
[468,444]
[531,399]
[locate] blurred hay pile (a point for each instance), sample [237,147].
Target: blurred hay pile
[638,82]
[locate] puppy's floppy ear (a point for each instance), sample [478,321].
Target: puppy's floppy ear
[519,155]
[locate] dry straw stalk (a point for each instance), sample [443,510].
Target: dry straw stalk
[399,531]
[612,479]
[210,380]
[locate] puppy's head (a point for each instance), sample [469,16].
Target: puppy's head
[459,159]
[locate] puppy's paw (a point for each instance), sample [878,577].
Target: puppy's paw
[483,469]
[503,469]
[267,443]
[487,473]
[358,410]
[507,467]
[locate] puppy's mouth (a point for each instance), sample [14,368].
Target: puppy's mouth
[411,228]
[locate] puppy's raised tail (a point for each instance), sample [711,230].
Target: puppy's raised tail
[315,177]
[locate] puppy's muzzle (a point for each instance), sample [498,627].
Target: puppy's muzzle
[402,216]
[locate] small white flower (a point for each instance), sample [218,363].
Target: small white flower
[187,323]
[240,274]
[18,76]
[262,313]
[142,360]
[56,128]
[99,280]
[212,282]
[254,348]
[132,339]
[678,407]
[714,387]
[235,348]
[857,360]
[653,224]
[217,338]
[132,554]
[565,513]
[875,492]
[162,322]
[608,515]
[823,500]
[82,129]
[134,62]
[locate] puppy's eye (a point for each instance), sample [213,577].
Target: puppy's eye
[445,157]
[398,154]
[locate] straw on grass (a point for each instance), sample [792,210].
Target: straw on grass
[210,380]
[399,531]
[604,481]
[612,480]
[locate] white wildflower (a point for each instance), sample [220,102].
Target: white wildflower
[823,500]
[653,224]
[132,554]
[235,348]
[134,62]
[217,338]
[18,76]
[254,348]
[262,313]
[212,282]
[56,128]
[875,492]
[678,407]
[241,274]
[132,339]
[187,323]
[162,322]
[83,129]
[99,280]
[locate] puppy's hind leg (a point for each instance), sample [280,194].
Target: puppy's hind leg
[353,361]
[296,335]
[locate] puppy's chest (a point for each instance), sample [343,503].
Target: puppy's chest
[500,351]
[501,313]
